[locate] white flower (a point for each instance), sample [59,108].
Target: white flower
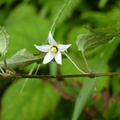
[53,50]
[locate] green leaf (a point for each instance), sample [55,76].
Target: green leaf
[27,33]
[37,100]
[115,29]
[102,3]
[89,41]
[98,65]
[22,59]
[6,1]
[4,40]
[25,12]
[115,82]
[72,35]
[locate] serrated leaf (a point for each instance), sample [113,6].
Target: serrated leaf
[4,40]
[89,41]
[37,100]
[22,59]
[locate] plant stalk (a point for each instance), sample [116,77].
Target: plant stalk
[90,75]
[86,63]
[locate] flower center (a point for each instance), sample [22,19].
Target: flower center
[53,49]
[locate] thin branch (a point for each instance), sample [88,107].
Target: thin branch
[30,72]
[90,75]
[86,63]
[80,69]
[4,60]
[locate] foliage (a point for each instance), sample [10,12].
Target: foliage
[93,26]
[22,59]
[37,97]
[4,40]
[89,41]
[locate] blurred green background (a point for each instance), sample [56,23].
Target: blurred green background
[28,22]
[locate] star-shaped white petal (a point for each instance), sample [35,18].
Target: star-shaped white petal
[51,39]
[49,49]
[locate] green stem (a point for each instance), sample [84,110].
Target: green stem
[74,63]
[37,69]
[4,60]
[86,63]
[58,15]
[30,72]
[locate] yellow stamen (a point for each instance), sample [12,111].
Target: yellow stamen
[54,49]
